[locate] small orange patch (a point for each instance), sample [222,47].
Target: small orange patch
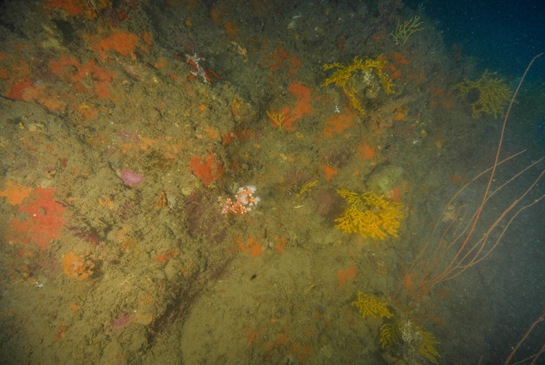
[447,104]
[329,172]
[231,27]
[252,334]
[295,63]
[378,37]
[400,59]
[351,272]
[408,281]
[215,15]
[342,277]
[340,45]
[206,169]
[212,133]
[166,256]
[300,352]
[338,123]
[71,7]
[395,194]
[121,42]
[302,107]
[367,152]
[456,179]
[161,63]
[253,247]
[278,58]
[282,339]
[228,138]
[18,87]
[77,267]
[437,91]
[15,193]
[434,103]
[62,331]
[280,247]
[147,38]
[399,117]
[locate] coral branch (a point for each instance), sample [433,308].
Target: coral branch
[405,30]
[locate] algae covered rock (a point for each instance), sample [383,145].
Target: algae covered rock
[384,178]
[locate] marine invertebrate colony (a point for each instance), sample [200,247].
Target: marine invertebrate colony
[346,74]
[494,94]
[369,215]
[243,203]
[389,334]
[77,267]
[415,345]
[198,69]
[369,305]
[206,169]
[405,30]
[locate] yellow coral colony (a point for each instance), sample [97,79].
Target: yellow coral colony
[344,77]
[389,334]
[405,30]
[426,347]
[369,214]
[307,187]
[414,339]
[369,305]
[494,94]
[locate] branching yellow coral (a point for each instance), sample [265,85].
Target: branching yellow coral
[405,30]
[369,305]
[494,94]
[389,334]
[426,348]
[277,119]
[369,214]
[344,77]
[307,187]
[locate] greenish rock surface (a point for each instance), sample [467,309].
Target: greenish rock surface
[384,178]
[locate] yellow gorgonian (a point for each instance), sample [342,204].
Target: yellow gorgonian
[369,215]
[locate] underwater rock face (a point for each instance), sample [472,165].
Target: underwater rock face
[384,178]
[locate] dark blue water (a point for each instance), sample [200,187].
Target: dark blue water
[504,35]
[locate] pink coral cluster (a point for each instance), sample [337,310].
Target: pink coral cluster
[244,201]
